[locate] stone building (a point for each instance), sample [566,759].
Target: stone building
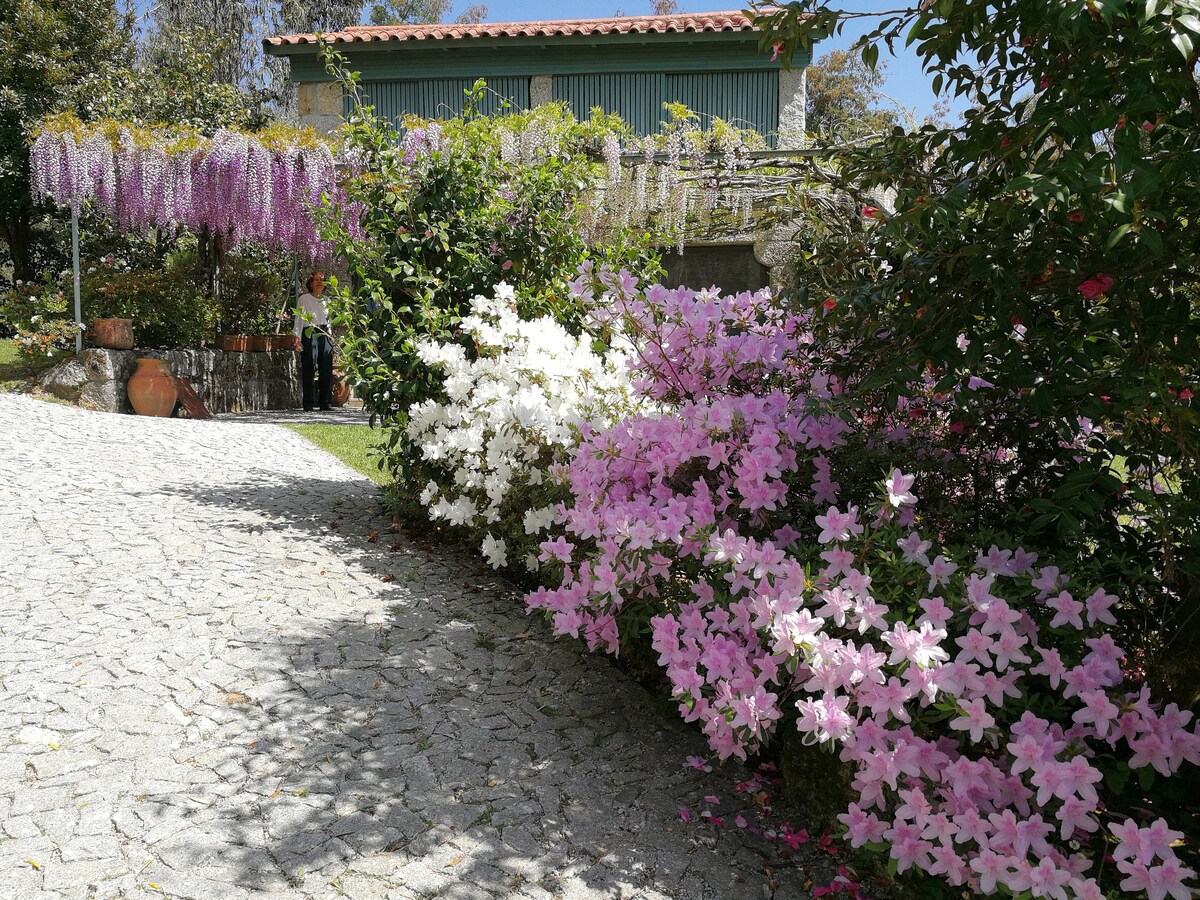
[629,65]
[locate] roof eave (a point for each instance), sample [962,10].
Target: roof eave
[489,41]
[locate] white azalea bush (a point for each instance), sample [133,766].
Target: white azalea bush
[510,412]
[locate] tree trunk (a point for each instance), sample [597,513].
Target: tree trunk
[17,231]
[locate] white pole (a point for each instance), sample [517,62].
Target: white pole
[75,262]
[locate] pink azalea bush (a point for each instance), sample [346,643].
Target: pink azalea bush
[975,692]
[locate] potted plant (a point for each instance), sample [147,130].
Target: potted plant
[249,292]
[108,308]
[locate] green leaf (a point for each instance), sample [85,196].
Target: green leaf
[1183,43]
[1117,233]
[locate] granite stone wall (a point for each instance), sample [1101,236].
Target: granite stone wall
[227,382]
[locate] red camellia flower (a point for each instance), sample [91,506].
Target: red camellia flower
[1044,83]
[829,304]
[1096,286]
[1147,126]
[870,212]
[1075,217]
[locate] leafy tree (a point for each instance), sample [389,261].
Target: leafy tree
[176,79]
[1048,248]
[238,58]
[47,49]
[419,12]
[408,12]
[843,97]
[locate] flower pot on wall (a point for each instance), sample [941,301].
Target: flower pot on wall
[233,343]
[113,334]
[152,390]
[283,342]
[258,343]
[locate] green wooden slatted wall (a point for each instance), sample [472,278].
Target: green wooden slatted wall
[748,99]
[745,99]
[636,97]
[443,98]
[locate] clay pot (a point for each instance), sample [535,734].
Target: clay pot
[115,334]
[341,390]
[233,343]
[258,343]
[283,342]
[152,389]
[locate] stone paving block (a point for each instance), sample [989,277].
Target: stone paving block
[16,883]
[236,695]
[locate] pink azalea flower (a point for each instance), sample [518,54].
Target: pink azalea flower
[974,720]
[939,571]
[1048,880]
[1099,607]
[1066,611]
[1097,710]
[991,868]
[1159,882]
[838,526]
[898,491]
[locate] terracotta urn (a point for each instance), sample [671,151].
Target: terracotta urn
[341,389]
[152,389]
[114,334]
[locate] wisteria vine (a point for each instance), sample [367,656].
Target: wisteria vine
[261,188]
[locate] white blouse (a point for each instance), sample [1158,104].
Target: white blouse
[310,310]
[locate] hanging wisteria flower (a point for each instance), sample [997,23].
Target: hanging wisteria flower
[262,188]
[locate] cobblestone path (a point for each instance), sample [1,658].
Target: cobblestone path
[213,684]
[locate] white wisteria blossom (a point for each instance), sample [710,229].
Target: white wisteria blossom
[510,413]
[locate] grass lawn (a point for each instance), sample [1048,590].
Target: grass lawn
[349,443]
[15,369]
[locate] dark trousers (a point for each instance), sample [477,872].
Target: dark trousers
[316,364]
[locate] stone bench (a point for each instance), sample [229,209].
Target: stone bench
[226,381]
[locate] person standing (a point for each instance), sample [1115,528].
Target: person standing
[316,347]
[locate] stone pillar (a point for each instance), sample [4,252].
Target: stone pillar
[777,248]
[793,94]
[541,90]
[319,105]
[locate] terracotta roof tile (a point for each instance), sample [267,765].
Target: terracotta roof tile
[678,23]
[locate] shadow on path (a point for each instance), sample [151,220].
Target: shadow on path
[407,731]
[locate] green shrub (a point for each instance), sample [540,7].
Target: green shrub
[167,308]
[447,213]
[252,294]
